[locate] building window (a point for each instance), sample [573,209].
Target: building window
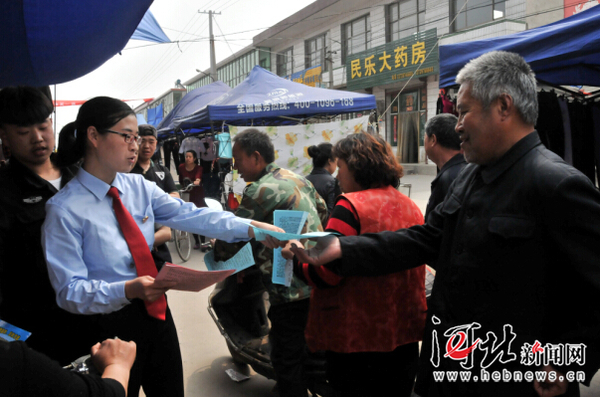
[315,52]
[404,18]
[285,62]
[475,12]
[356,36]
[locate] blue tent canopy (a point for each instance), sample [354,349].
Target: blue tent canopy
[566,52]
[190,103]
[264,97]
[150,30]
[54,41]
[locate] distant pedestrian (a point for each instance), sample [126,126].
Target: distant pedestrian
[324,165]
[442,146]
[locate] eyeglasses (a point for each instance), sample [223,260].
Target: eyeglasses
[129,138]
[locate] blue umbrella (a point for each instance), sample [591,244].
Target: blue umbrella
[54,41]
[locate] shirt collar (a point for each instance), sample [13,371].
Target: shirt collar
[29,176]
[456,159]
[98,187]
[271,167]
[319,170]
[492,172]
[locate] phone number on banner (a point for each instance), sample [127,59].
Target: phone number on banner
[268,107]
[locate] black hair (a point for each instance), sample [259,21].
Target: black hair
[66,142]
[320,154]
[100,112]
[253,140]
[194,154]
[23,106]
[442,126]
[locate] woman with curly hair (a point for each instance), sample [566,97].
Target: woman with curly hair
[369,327]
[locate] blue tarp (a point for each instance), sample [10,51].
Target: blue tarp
[155,115]
[190,103]
[566,52]
[150,30]
[47,42]
[266,97]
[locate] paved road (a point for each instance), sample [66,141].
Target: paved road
[205,355]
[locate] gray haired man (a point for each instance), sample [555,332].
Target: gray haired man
[514,238]
[442,146]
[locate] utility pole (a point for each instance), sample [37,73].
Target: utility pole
[213,63]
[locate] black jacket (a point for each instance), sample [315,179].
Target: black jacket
[27,373]
[27,297]
[326,185]
[516,243]
[443,180]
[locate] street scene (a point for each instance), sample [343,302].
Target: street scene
[324,198]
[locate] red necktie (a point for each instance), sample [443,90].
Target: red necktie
[144,263]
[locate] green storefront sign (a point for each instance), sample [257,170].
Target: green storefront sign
[394,61]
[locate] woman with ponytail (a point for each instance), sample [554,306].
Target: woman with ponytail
[97,236]
[324,165]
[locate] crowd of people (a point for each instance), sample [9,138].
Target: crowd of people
[510,229]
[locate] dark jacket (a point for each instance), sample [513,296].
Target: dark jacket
[160,175]
[443,180]
[326,185]
[517,248]
[27,373]
[27,298]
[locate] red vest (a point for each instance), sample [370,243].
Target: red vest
[372,314]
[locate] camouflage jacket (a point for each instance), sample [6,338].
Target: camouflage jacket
[277,189]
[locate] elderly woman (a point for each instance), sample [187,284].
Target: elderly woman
[369,327]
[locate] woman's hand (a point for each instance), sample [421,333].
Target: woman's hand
[327,249]
[197,182]
[147,288]
[286,252]
[270,242]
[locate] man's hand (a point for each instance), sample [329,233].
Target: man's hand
[162,235]
[146,288]
[114,358]
[327,249]
[550,388]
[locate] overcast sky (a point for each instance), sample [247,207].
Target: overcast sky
[146,70]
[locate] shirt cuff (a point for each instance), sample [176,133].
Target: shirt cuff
[241,231]
[118,291]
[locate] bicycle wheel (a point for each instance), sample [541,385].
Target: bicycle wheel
[183,244]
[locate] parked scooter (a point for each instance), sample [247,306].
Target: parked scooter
[239,310]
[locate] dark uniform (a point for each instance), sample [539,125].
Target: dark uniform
[443,180]
[160,175]
[27,298]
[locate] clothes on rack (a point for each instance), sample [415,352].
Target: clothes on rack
[567,127]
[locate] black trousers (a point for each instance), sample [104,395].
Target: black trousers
[374,373]
[171,148]
[158,367]
[288,346]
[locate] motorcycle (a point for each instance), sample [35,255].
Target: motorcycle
[239,310]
